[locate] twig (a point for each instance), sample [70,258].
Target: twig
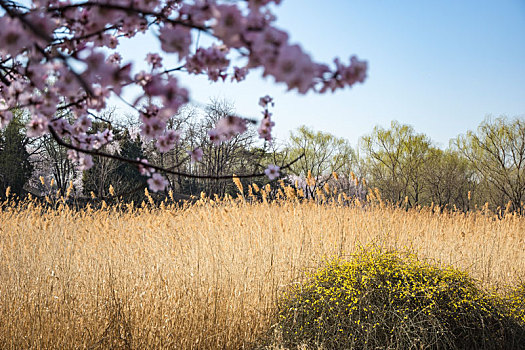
[61,142]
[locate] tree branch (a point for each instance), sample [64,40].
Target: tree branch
[61,142]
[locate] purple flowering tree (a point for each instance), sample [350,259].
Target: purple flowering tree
[60,56]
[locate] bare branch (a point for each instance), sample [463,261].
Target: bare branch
[61,142]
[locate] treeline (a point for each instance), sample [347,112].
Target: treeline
[41,167]
[479,168]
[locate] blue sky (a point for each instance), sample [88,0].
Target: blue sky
[440,66]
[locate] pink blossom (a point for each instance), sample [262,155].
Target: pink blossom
[157,182]
[260,3]
[174,96]
[61,127]
[215,137]
[293,67]
[265,129]
[265,45]
[12,36]
[239,74]
[142,78]
[345,75]
[114,58]
[152,128]
[149,112]
[154,59]
[38,74]
[146,4]
[175,39]
[231,125]
[153,85]
[37,126]
[198,12]
[145,170]
[5,118]
[211,60]
[167,141]
[97,100]
[45,23]
[229,25]
[101,138]
[97,66]
[110,41]
[118,77]
[226,128]
[273,171]
[265,101]
[45,104]
[82,124]
[196,155]
[67,84]
[85,162]
[72,154]
[66,65]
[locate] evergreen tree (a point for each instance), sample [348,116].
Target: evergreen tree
[15,168]
[133,183]
[124,177]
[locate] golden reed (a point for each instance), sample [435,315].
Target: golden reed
[207,275]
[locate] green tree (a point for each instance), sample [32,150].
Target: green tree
[324,155]
[15,167]
[497,153]
[448,178]
[394,160]
[126,178]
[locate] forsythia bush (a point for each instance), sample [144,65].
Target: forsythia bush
[390,300]
[516,301]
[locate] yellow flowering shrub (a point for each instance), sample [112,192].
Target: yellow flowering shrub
[516,302]
[391,300]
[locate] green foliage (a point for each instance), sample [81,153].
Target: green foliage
[133,184]
[389,300]
[15,168]
[497,152]
[395,160]
[324,155]
[448,178]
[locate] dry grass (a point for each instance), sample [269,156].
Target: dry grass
[206,276]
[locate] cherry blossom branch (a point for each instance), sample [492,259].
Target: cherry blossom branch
[108,6]
[48,40]
[63,143]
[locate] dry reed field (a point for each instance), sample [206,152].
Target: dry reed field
[207,275]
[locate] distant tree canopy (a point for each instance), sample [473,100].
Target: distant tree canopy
[126,180]
[394,161]
[130,183]
[324,154]
[497,153]
[15,168]
[401,165]
[448,178]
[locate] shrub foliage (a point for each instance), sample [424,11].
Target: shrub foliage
[390,300]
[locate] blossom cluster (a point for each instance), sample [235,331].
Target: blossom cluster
[56,56]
